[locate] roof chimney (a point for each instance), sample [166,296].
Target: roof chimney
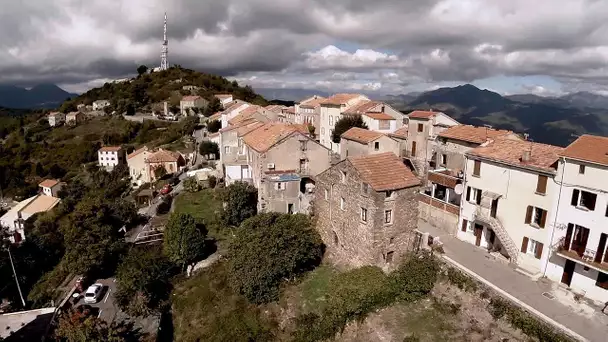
[526,156]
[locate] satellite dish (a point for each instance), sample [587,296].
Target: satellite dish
[458,189]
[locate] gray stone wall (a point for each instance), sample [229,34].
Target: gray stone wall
[350,241]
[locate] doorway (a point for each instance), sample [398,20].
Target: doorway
[478,231]
[568,272]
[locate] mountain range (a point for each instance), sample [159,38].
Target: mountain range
[39,96]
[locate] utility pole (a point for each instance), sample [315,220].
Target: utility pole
[15,274]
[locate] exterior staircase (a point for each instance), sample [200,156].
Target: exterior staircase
[482,215]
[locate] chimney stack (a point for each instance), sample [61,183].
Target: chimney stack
[526,156]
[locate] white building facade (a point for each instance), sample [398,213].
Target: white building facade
[111,156]
[579,257]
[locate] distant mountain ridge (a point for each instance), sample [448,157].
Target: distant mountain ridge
[289,94]
[555,121]
[39,96]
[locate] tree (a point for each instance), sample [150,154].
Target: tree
[160,172]
[82,326]
[208,148]
[191,184]
[174,109]
[143,283]
[269,248]
[184,240]
[311,130]
[213,107]
[130,109]
[214,126]
[142,69]
[240,203]
[346,123]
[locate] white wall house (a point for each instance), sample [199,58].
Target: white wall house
[330,112]
[380,122]
[110,157]
[579,257]
[224,99]
[507,200]
[234,109]
[56,119]
[423,129]
[100,104]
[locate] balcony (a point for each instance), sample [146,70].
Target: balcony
[581,254]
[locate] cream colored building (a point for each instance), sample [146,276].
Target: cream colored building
[361,142]
[331,110]
[138,166]
[308,111]
[187,104]
[508,189]
[56,119]
[233,109]
[225,99]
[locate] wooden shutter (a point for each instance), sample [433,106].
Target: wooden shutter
[568,237]
[524,245]
[476,168]
[539,250]
[541,185]
[529,214]
[478,199]
[413,148]
[543,219]
[464,225]
[590,203]
[601,247]
[574,200]
[468,193]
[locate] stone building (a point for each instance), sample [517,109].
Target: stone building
[359,141]
[56,119]
[283,162]
[366,208]
[188,103]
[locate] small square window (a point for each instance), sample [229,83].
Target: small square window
[343,176]
[342,203]
[420,127]
[444,159]
[388,216]
[376,146]
[581,169]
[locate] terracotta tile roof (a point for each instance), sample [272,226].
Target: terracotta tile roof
[421,114]
[163,156]
[275,108]
[312,102]
[250,127]
[400,133]
[588,148]
[213,135]
[384,171]
[73,114]
[234,106]
[363,107]
[473,134]
[110,148]
[136,152]
[443,179]
[361,135]
[289,110]
[379,116]
[54,113]
[266,136]
[216,116]
[245,114]
[223,96]
[49,183]
[510,152]
[190,98]
[339,99]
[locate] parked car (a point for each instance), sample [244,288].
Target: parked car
[166,189]
[93,293]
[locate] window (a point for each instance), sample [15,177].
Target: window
[290,208]
[581,169]
[420,127]
[583,199]
[465,225]
[541,185]
[303,145]
[389,257]
[326,195]
[532,247]
[389,194]
[602,280]
[444,159]
[336,241]
[376,146]
[536,216]
[384,124]
[331,120]
[363,214]
[279,186]
[474,195]
[343,176]
[227,149]
[342,203]
[365,188]
[413,148]
[477,168]
[388,216]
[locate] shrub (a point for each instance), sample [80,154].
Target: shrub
[461,280]
[191,184]
[241,203]
[164,206]
[416,276]
[270,248]
[212,181]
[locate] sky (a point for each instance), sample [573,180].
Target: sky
[548,47]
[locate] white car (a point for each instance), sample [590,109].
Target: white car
[93,293]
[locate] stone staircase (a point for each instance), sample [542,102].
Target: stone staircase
[482,214]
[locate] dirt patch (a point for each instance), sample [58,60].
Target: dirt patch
[450,314]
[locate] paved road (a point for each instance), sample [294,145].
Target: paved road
[520,286]
[108,310]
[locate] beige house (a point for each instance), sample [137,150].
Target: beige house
[441,197]
[187,104]
[15,218]
[233,156]
[366,210]
[74,118]
[225,99]
[400,135]
[56,119]
[143,163]
[138,167]
[423,128]
[360,142]
[233,109]
[100,104]
[253,112]
[308,111]
[284,161]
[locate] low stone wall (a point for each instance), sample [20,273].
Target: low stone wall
[438,213]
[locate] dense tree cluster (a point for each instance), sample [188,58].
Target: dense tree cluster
[270,248]
[209,149]
[240,203]
[184,239]
[344,124]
